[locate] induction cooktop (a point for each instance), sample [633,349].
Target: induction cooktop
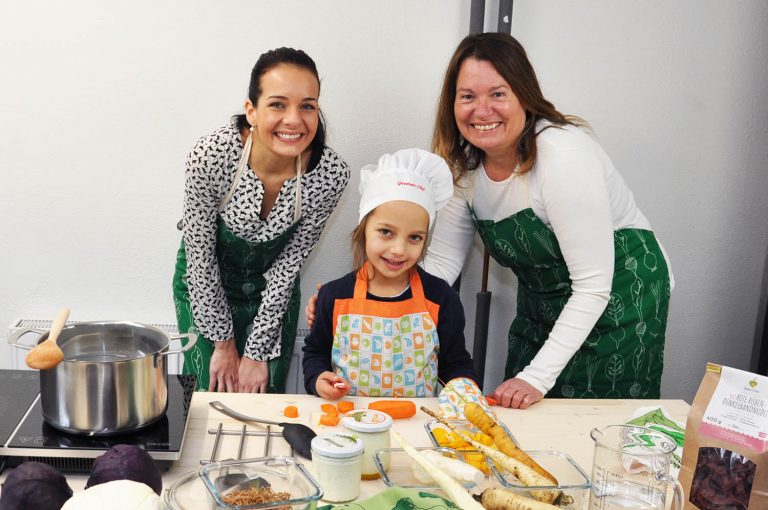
[24,434]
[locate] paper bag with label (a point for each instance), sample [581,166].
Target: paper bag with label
[725,456]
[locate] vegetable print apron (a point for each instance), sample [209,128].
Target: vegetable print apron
[242,265]
[384,348]
[623,355]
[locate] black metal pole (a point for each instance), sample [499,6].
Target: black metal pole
[483,298]
[482,318]
[505,16]
[477,17]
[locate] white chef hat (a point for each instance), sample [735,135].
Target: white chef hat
[412,175]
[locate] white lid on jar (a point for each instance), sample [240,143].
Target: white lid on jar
[367,420]
[337,446]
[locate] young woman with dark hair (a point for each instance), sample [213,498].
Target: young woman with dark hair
[258,193]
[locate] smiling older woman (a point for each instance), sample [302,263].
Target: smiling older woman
[593,281]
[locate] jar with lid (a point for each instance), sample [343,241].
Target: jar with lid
[373,428]
[336,459]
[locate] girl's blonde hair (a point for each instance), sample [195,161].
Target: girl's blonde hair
[358,243]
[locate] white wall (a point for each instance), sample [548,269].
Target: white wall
[100,101]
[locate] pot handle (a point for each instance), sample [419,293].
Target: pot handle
[192,341]
[13,339]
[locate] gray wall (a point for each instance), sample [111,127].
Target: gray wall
[100,101]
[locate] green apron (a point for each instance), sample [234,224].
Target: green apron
[624,353]
[242,265]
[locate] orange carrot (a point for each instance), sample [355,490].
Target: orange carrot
[329,409]
[395,408]
[330,420]
[291,412]
[345,406]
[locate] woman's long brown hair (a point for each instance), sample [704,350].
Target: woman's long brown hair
[509,59]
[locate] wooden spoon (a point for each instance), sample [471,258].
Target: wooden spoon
[48,354]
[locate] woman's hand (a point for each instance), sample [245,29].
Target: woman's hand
[253,376]
[225,362]
[517,394]
[309,310]
[331,386]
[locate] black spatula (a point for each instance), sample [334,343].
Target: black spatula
[297,435]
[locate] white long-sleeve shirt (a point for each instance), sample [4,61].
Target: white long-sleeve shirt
[575,190]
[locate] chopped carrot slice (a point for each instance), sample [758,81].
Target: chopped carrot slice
[345,406]
[329,409]
[291,412]
[330,420]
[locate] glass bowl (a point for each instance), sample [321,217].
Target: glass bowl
[280,474]
[464,426]
[187,493]
[400,470]
[573,482]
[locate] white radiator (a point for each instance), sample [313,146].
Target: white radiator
[294,384]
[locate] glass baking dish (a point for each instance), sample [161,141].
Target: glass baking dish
[464,426]
[400,470]
[279,474]
[573,482]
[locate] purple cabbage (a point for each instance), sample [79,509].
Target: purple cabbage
[126,462]
[34,485]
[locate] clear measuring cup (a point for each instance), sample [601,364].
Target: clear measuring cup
[631,469]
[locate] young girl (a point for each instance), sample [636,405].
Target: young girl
[389,328]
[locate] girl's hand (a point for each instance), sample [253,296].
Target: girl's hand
[331,386]
[253,376]
[225,362]
[517,394]
[309,310]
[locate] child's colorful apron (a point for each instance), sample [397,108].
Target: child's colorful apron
[385,348]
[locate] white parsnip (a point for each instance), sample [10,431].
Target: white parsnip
[504,499]
[452,488]
[521,471]
[489,426]
[455,468]
[525,474]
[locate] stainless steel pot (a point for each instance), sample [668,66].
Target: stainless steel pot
[114,377]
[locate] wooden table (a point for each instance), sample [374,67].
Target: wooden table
[553,424]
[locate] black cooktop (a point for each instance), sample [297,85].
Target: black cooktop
[26,436]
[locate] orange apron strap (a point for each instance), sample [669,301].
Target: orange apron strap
[417,289]
[359,303]
[361,283]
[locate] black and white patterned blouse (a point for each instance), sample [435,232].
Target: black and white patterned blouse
[211,166]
